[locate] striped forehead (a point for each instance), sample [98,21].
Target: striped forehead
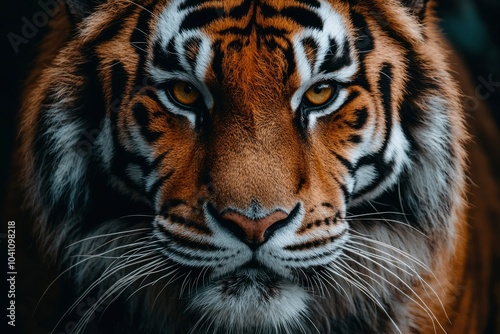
[315,35]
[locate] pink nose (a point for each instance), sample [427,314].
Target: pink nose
[252,231]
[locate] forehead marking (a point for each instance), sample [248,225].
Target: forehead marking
[168,30]
[329,36]
[319,22]
[332,38]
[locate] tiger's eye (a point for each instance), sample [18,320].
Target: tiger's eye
[319,94]
[185,93]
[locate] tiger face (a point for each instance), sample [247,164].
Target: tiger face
[298,164]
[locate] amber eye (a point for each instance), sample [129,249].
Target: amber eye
[320,93]
[184,93]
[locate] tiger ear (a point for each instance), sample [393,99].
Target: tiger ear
[416,7]
[79,9]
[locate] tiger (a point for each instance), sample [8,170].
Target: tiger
[252,166]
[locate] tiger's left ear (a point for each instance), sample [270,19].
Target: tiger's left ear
[416,7]
[79,9]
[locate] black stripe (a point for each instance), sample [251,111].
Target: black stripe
[188,223]
[167,59]
[302,118]
[152,167]
[356,139]
[140,34]
[351,97]
[361,118]
[245,31]
[157,161]
[343,188]
[330,56]
[364,37]
[119,80]
[271,31]
[384,171]
[188,256]
[217,61]
[91,99]
[289,56]
[158,183]
[316,243]
[364,45]
[186,242]
[243,9]
[267,10]
[384,85]
[410,119]
[300,185]
[200,18]
[306,246]
[141,114]
[304,17]
[346,163]
[417,85]
[331,62]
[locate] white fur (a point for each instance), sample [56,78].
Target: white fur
[249,311]
[105,145]
[333,28]
[70,165]
[167,29]
[135,173]
[364,177]
[397,151]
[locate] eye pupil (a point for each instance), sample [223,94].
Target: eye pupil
[184,93]
[319,94]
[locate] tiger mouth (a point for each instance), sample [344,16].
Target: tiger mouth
[245,298]
[261,281]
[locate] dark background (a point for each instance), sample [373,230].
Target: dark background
[472,26]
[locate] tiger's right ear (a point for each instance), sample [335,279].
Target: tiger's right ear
[79,9]
[416,7]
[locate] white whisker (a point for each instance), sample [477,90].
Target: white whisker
[342,274]
[420,302]
[413,228]
[108,235]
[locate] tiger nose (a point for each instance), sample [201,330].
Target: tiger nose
[254,232]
